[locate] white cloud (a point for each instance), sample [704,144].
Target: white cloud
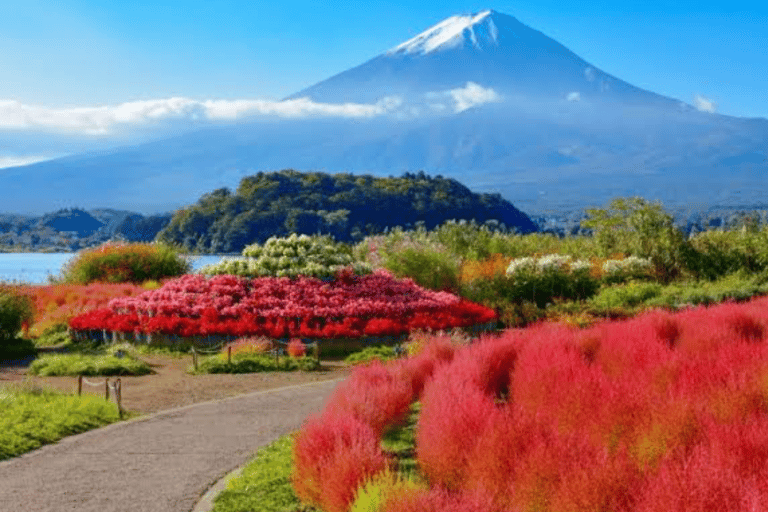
[573,96]
[704,104]
[15,161]
[101,120]
[141,115]
[472,95]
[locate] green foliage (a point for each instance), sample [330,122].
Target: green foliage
[120,263]
[626,295]
[429,268]
[541,280]
[254,363]
[264,484]
[89,365]
[54,335]
[368,354]
[15,311]
[30,418]
[635,226]
[718,253]
[316,256]
[373,495]
[339,205]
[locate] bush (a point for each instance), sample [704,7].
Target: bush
[89,365]
[429,268]
[15,313]
[296,348]
[254,363]
[315,256]
[373,496]
[380,352]
[540,280]
[628,295]
[121,263]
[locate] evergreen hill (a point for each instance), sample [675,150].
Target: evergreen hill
[346,206]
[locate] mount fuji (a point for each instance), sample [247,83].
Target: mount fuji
[481,98]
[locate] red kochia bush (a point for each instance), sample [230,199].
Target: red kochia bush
[457,404]
[333,455]
[296,348]
[374,395]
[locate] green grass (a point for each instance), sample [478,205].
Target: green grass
[90,365]
[253,363]
[368,354]
[265,482]
[30,418]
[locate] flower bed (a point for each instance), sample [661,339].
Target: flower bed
[661,412]
[375,305]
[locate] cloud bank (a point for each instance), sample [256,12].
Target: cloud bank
[104,120]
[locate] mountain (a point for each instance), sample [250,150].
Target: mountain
[480,98]
[489,48]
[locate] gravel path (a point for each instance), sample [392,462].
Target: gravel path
[161,463]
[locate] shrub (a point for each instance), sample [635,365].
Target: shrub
[540,280]
[124,263]
[333,455]
[15,313]
[314,256]
[78,364]
[254,363]
[296,348]
[623,270]
[628,295]
[430,268]
[248,345]
[368,354]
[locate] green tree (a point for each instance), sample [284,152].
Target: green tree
[635,226]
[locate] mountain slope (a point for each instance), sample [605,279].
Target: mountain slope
[489,48]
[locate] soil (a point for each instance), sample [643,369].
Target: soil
[171,386]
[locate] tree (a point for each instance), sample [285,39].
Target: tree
[635,226]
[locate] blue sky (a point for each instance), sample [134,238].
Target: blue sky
[63,54]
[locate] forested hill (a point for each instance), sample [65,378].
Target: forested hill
[347,206]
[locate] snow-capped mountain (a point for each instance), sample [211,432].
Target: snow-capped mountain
[481,98]
[491,49]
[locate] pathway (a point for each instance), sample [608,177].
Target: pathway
[161,463]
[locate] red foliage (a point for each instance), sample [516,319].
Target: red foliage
[332,456]
[374,395]
[296,348]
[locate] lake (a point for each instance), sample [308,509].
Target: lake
[35,268]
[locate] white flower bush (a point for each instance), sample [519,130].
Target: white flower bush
[550,263]
[315,256]
[540,280]
[627,268]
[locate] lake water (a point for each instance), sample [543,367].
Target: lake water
[35,268]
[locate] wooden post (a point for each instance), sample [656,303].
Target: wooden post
[119,397]
[229,355]
[317,351]
[106,389]
[277,352]
[194,358]
[79,385]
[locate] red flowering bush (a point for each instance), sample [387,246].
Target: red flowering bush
[296,348]
[349,307]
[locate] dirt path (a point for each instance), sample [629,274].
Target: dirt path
[161,463]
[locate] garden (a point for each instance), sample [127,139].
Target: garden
[624,370]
